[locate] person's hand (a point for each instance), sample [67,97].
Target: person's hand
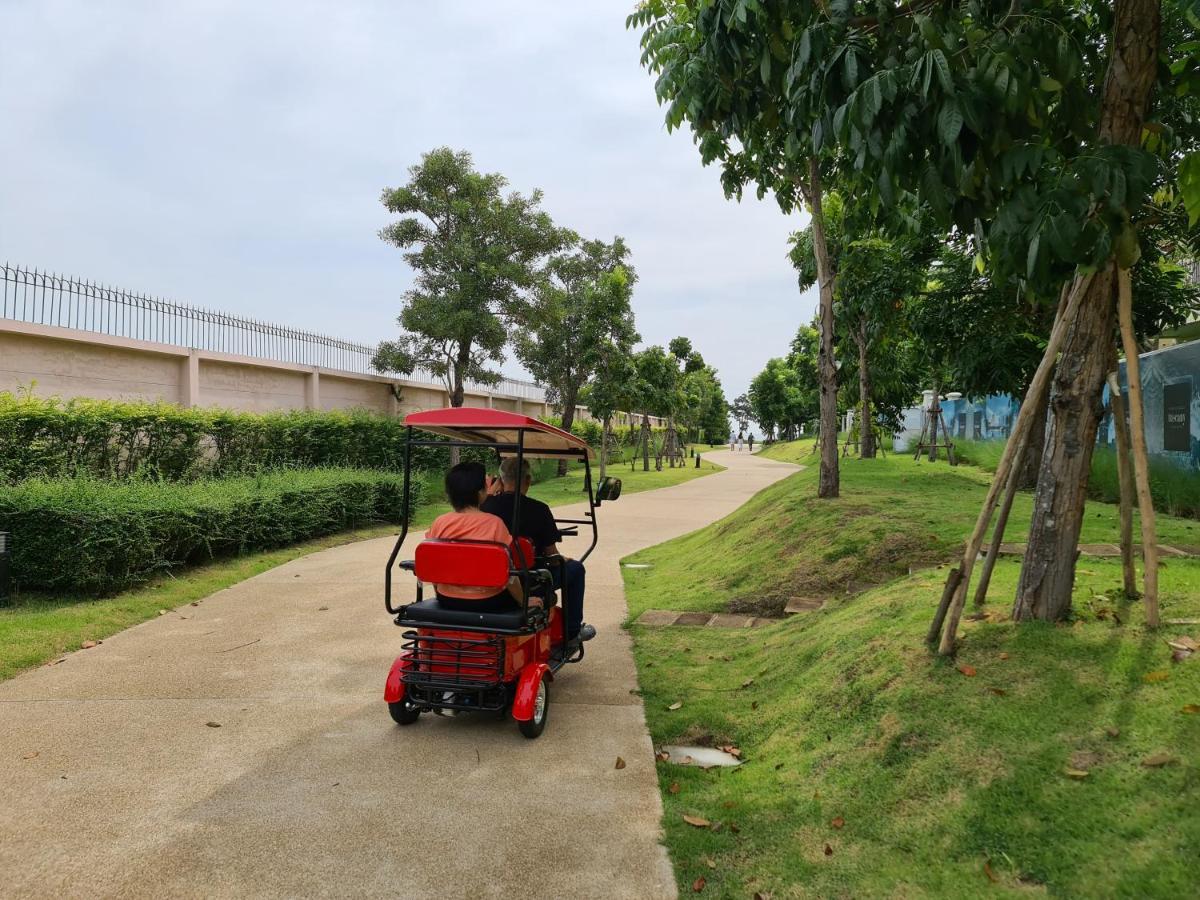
[535,603]
[494,486]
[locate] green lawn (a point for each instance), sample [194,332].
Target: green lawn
[942,783]
[569,489]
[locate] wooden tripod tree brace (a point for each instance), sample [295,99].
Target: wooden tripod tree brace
[1010,491]
[1125,478]
[1015,448]
[1141,460]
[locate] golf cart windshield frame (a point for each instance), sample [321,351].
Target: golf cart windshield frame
[453,431]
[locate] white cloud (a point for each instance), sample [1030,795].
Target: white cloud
[232,155]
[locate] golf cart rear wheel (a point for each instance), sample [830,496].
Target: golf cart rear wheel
[403,712]
[541,707]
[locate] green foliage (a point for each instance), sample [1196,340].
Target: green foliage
[477,253]
[93,536]
[579,317]
[48,438]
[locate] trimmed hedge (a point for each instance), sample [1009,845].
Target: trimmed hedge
[51,438]
[91,536]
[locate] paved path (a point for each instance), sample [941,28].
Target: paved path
[307,788]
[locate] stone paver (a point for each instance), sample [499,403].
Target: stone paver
[113,784]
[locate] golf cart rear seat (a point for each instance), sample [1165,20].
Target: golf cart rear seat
[476,564]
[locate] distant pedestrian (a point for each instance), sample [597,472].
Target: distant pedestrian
[741,439]
[732,442]
[750,441]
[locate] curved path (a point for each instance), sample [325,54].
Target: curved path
[306,788]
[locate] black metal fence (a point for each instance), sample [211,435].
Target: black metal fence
[47,299]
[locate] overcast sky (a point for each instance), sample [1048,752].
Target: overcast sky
[232,155]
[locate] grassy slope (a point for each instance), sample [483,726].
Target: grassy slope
[933,772]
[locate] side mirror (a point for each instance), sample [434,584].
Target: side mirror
[608,489]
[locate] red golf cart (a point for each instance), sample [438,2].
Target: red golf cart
[458,661]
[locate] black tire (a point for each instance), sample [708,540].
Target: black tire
[404,713]
[541,711]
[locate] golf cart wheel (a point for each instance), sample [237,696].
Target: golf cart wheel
[403,712]
[541,706]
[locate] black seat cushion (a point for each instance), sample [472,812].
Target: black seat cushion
[430,612]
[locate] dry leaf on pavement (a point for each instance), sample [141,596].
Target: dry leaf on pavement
[213,724]
[88,645]
[32,754]
[620,763]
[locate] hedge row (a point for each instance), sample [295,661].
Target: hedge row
[93,537]
[50,438]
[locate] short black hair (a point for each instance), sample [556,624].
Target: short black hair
[463,484]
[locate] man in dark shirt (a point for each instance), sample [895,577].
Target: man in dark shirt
[537,524]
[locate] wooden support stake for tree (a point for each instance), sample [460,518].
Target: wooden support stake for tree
[1014,448]
[985,577]
[1141,460]
[935,627]
[1125,477]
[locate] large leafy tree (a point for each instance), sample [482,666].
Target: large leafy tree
[477,252]
[1020,122]
[578,314]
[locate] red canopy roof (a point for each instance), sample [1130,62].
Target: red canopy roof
[496,426]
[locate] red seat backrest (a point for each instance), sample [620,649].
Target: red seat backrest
[474,563]
[523,547]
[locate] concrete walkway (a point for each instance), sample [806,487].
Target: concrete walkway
[115,780]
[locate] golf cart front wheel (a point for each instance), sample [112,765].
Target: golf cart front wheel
[541,706]
[403,712]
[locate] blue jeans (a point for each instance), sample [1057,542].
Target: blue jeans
[572,594]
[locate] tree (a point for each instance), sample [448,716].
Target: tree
[655,392]
[476,253]
[578,313]
[721,67]
[742,411]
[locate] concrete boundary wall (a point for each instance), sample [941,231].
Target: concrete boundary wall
[70,363]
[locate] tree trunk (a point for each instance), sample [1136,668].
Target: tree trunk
[1027,476]
[645,443]
[935,418]
[828,485]
[1141,461]
[1048,570]
[866,434]
[1125,480]
[570,398]
[605,441]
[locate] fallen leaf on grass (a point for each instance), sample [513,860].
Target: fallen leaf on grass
[987,870]
[710,862]
[1157,760]
[1192,708]
[1152,677]
[969,671]
[698,885]
[754,704]
[761,895]
[828,850]
[678,704]
[697,822]
[674,788]
[1004,656]
[32,754]
[88,645]
[747,682]
[1112,731]
[999,692]
[1183,643]
[839,822]
[162,612]
[1077,774]
[620,763]
[735,828]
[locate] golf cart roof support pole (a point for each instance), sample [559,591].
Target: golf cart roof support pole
[407,515]
[587,476]
[516,521]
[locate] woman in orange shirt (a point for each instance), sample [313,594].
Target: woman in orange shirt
[466,488]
